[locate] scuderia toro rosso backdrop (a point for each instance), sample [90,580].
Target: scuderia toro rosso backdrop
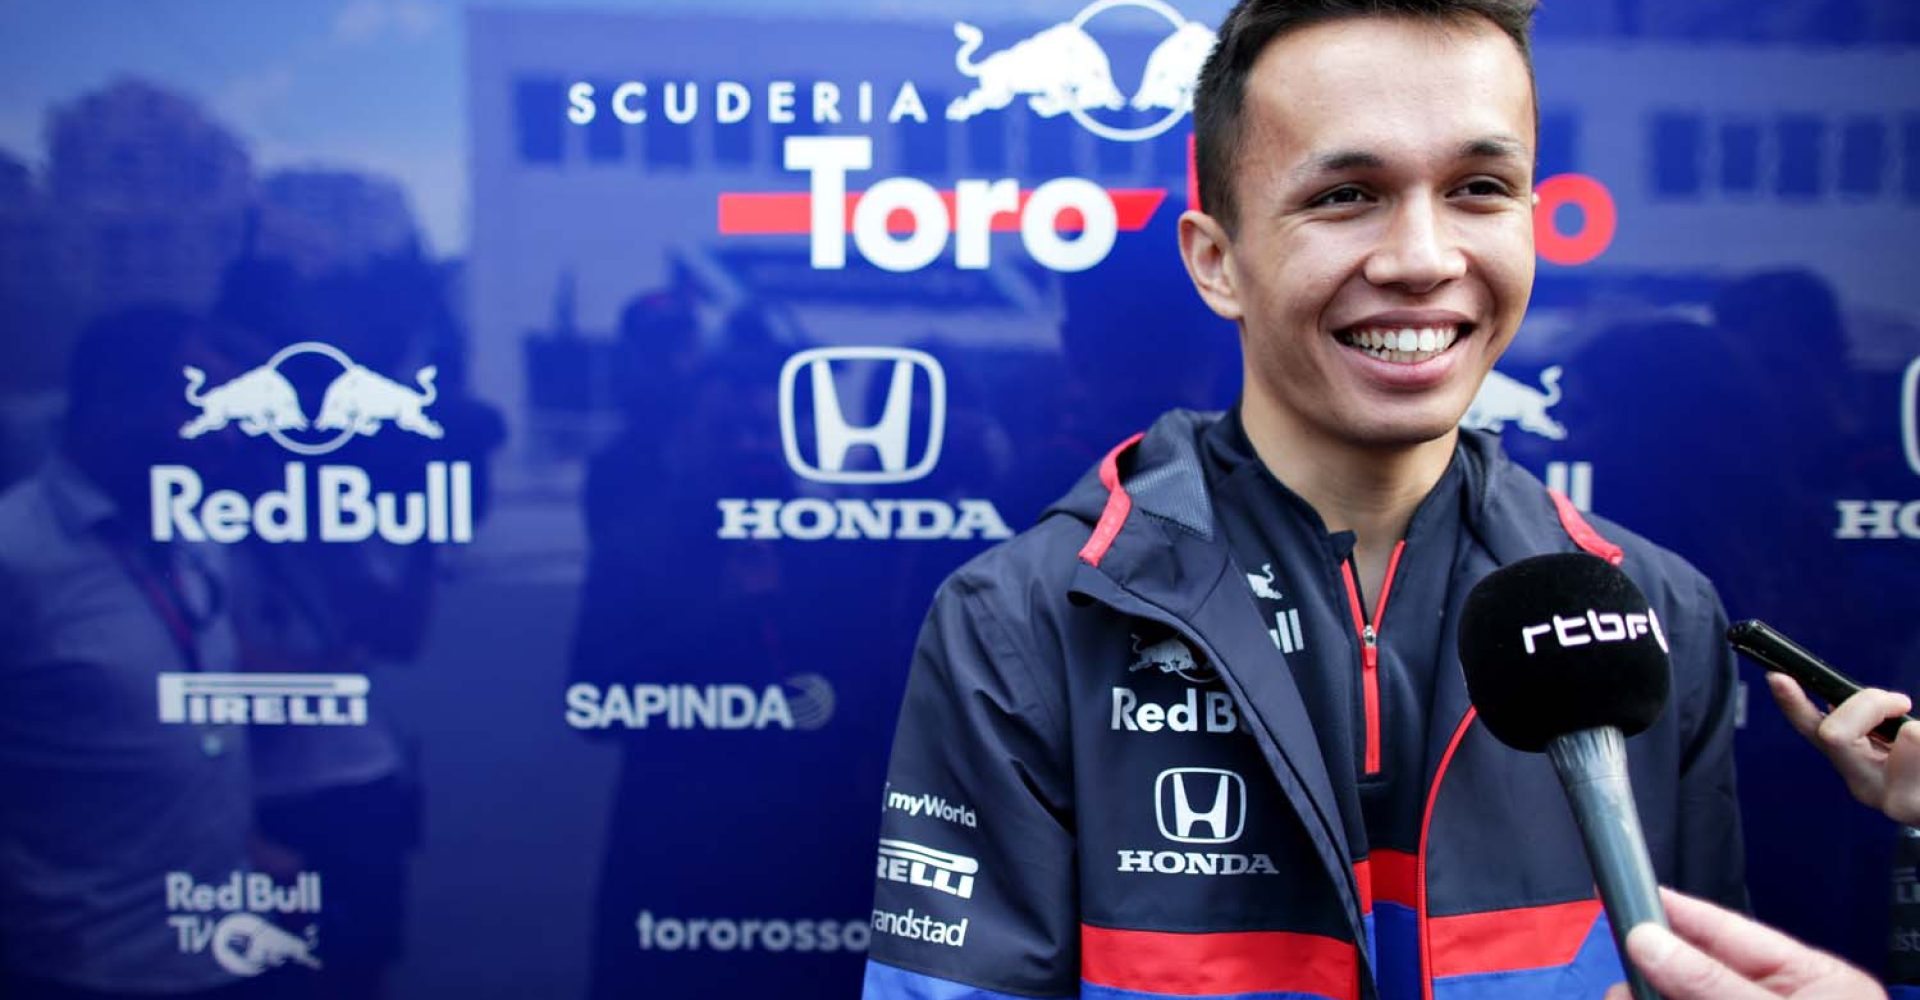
[474,473]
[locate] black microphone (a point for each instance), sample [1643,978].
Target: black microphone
[1563,654]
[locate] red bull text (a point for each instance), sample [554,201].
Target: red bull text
[345,505]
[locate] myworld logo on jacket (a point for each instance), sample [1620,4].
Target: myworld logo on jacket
[932,806]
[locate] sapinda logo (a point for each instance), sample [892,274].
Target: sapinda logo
[802,702]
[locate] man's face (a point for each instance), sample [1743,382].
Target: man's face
[1384,253]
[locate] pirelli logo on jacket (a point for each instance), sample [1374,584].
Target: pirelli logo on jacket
[909,863]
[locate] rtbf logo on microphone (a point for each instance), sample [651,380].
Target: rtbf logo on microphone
[1594,626]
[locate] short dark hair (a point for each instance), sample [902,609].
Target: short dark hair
[1220,95]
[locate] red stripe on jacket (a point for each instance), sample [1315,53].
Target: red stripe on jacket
[1582,533]
[1529,937]
[1119,505]
[1387,876]
[1219,964]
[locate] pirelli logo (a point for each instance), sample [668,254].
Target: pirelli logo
[917,864]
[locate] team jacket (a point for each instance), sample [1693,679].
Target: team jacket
[1104,785]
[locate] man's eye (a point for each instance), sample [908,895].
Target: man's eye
[1341,196]
[1484,187]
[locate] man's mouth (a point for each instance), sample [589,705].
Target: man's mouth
[1404,345]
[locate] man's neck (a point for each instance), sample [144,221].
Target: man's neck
[1372,492]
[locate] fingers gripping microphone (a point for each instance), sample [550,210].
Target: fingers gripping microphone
[1563,654]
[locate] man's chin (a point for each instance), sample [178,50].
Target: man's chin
[1406,433]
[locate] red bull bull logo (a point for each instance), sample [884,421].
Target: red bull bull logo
[357,401]
[1064,70]
[1503,399]
[1170,656]
[353,401]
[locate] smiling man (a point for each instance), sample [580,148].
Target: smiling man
[1205,722]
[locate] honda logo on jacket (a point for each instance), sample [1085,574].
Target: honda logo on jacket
[1200,805]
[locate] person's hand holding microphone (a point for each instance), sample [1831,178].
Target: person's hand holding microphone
[1716,954]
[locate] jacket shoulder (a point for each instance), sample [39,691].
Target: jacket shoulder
[1040,560]
[1664,575]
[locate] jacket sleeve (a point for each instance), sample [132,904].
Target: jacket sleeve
[974,894]
[1712,856]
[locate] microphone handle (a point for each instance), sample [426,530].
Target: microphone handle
[1592,764]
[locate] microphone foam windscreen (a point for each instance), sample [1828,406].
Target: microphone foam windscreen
[1559,643]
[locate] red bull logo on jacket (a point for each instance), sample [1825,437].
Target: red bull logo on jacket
[335,503]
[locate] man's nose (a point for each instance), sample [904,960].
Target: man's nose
[1417,253]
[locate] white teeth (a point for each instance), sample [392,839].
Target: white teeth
[1407,345]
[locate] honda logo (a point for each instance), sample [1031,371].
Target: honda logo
[838,429]
[1910,414]
[1200,805]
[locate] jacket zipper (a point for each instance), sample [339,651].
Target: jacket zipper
[1369,633]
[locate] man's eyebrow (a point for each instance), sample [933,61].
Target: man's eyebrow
[1495,147]
[1338,161]
[1491,147]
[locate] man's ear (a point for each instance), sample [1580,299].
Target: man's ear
[1207,251]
